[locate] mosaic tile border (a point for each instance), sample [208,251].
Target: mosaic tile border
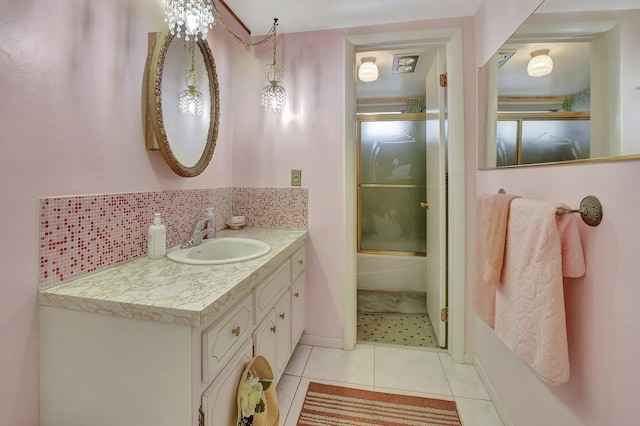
[87,233]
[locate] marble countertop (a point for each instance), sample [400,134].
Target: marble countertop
[166,291]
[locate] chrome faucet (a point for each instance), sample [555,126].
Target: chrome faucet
[202,228]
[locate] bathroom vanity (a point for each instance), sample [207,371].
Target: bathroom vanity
[156,342]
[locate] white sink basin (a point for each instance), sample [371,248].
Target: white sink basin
[221,250]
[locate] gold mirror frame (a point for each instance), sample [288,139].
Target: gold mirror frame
[155,133]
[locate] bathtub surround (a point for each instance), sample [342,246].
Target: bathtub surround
[87,233]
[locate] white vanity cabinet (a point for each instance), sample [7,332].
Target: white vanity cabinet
[105,368]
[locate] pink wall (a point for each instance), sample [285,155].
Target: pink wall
[310,135]
[603,319]
[71,119]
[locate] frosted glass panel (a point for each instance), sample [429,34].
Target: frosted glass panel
[391,219]
[559,140]
[392,152]
[507,140]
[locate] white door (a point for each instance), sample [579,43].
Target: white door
[437,198]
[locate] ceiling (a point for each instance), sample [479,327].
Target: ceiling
[315,15]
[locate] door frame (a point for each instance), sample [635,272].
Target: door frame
[451,40]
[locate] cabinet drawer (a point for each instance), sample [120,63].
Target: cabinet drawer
[297,263]
[267,293]
[222,339]
[219,403]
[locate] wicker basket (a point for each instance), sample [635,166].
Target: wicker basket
[259,367]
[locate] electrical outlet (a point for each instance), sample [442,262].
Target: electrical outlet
[296,177]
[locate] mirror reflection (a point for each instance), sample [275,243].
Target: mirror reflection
[560,89]
[182,110]
[186,111]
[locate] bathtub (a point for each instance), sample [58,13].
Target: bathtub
[391,273]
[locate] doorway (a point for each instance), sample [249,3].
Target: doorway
[450,40]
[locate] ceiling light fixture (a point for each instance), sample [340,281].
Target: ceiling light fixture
[540,63]
[404,63]
[193,18]
[368,71]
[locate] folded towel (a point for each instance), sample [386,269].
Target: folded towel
[530,315]
[491,214]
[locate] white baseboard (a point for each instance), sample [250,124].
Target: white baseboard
[325,342]
[502,411]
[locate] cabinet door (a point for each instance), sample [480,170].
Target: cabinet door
[264,340]
[219,403]
[298,310]
[268,293]
[283,333]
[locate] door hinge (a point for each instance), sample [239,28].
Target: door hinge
[444,314]
[201,417]
[443,80]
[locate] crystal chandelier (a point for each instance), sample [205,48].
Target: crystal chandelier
[191,100]
[273,95]
[193,18]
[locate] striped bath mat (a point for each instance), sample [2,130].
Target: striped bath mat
[327,405]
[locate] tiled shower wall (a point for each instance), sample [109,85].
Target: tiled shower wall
[87,233]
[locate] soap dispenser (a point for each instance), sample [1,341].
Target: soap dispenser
[209,225]
[157,240]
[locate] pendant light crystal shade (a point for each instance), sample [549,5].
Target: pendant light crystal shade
[540,63]
[193,18]
[191,100]
[368,71]
[274,96]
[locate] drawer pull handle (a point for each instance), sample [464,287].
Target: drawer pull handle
[296,294]
[300,261]
[282,315]
[236,331]
[273,329]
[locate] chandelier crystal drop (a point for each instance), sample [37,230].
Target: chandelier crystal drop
[193,18]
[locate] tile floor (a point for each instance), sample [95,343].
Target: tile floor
[402,370]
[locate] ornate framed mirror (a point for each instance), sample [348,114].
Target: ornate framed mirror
[182,102]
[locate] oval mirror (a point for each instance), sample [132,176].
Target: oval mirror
[182,110]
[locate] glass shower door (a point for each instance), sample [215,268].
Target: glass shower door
[392,184]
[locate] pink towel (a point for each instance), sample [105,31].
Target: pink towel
[530,315]
[492,213]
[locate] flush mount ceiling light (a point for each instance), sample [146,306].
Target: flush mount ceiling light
[540,63]
[193,18]
[403,64]
[368,71]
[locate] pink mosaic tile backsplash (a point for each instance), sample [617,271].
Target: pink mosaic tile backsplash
[86,233]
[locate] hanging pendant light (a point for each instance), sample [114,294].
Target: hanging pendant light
[540,63]
[274,96]
[191,100]
[193,18]
[368,71]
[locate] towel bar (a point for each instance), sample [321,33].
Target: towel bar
[590,209]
